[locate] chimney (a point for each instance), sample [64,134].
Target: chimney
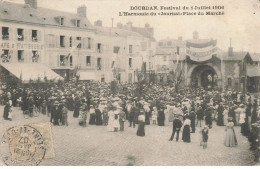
[98,23]
[82,11]
[195,35]
[119,25]
[129,25]
[230,49]
[32,3]
[149,29]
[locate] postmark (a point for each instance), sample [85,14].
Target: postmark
[26,146]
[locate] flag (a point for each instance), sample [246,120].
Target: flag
[21,76]
[113,64]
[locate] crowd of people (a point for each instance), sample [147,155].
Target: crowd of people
[95,103]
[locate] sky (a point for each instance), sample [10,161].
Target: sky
[241,21]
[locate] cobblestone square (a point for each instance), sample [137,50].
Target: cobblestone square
[94,146]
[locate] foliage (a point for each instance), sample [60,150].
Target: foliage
[175,77]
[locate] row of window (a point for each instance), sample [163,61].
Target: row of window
[6,56]
[33,34]
[65,60]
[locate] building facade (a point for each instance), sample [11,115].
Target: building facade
[204,65]
[71,46]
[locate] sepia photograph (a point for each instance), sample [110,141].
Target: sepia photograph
[130,83]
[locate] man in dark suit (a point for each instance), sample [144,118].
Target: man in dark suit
[177,124]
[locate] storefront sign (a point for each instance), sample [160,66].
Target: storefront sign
[20,45]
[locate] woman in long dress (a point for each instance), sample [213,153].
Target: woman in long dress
[161,117]
[6,111]
[110,125]
[98,117]
[225,115]
[92,119]
[230,140]
[166,115]
[220,110]
[186,131]
[141,124]
[116,123]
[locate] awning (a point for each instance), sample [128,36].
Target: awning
[87,76]
[253,71]
[31,71]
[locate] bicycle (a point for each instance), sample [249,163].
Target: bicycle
[35,113]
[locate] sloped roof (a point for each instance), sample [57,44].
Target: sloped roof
[44,16]
[115,31]
[255,57]
[144,32]
[253,71]
[19,12]
[160,51]
[236,56]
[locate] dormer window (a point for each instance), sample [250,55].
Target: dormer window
[78,23]
[61,21]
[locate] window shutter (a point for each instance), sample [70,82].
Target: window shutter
[92,44]
[39,36]
[29,54]
[16,34]
[47,41]
[11,34]
[74,41]
[85,45]
[26,35]
[51,62]
[30,35]
[67,41]
[58,61]
[57,41]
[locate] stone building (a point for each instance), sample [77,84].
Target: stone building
[68,44]
[204,65]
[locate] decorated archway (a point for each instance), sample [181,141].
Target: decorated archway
[205,76]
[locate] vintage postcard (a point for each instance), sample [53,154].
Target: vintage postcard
[130,82]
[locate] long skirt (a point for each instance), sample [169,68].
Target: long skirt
[245,129]
[220,121]
[98,119]
[186,134]
[92,120]
[76,112]
[147,118]
[140,130]
[6,112]
[230,140]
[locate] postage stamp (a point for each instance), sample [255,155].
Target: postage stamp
[29,144]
